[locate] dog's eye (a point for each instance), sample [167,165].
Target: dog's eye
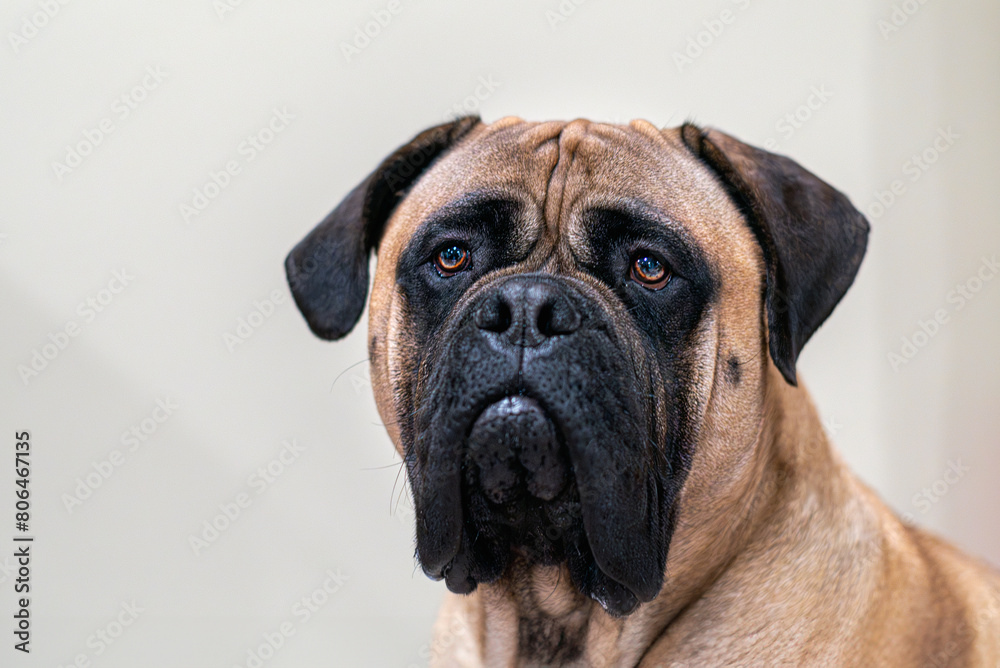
[451,259]
[649,271]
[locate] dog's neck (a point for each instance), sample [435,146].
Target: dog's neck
[535,616]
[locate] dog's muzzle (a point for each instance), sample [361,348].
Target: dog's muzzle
[532,442]
[513,443]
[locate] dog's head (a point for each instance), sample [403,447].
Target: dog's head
[562,315]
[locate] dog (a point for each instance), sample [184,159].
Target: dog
[582,341]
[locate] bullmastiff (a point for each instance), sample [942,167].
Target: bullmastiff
[583,340]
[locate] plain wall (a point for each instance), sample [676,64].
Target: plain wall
[339,503]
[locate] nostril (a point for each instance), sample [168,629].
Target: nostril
[494,316]
[556,318]
[545,324]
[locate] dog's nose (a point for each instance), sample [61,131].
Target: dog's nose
[527,310]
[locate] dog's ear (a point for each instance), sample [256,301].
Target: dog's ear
[812,238]
[328,270]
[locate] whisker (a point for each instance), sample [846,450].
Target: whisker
[392,511]
[346,370]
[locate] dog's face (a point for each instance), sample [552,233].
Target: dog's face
[565,318]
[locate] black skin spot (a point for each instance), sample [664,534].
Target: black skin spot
[733,374]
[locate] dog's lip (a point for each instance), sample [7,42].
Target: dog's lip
[521,398]
[439,567]
[516,449]
[449,556]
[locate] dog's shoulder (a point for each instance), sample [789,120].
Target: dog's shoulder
[969,591]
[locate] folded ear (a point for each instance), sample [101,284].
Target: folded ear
[812,238]
[328,270]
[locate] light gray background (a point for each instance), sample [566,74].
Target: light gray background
[341,505]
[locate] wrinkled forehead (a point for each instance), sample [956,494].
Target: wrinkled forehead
[557,171]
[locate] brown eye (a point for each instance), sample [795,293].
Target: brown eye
[649,271]
[451,259]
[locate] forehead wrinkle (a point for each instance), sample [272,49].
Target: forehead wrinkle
[609,161]
[640,164]
[572,138]
[582,146]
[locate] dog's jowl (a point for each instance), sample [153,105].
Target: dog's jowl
[583,341]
